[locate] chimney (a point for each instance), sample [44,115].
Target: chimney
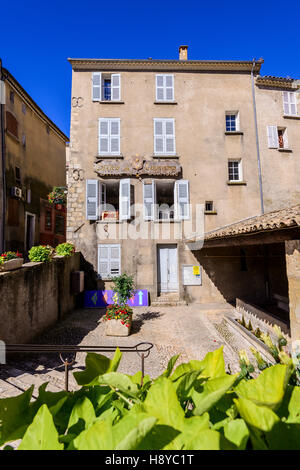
[183,52]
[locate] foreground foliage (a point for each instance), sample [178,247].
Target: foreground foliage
[195,406]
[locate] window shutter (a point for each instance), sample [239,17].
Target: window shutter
[181,199]
[96,78]
[149,200]
[115,87]
[285,140]
[286,105]
[114,147]
[124,199]
[104,261]
[103,136]
[115,260]
[159,87]
[158,137]
[272,137]
[289,103]
[92,199]
[169,87]
[169,137]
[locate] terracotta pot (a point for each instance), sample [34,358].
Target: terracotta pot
[115,328]
[12,264]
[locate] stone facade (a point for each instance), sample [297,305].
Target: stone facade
[205,92]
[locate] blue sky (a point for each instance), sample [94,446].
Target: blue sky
[38,37]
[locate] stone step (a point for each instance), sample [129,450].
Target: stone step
[170,299]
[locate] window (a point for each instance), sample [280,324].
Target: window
[108,200]
[23,108]
[289,103]
[48,219]
[234,170]
[164,137]
[18,175]
[277,137]
[109,136]
[209,206]
[28,196]
[232,121]
[106,87]
[59,224]
[11,124]
[109,261]
[164,87]
[12,97]
[166,200]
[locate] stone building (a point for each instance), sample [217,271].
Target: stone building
[164,151]
[33,162]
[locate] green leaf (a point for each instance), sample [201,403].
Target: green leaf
[212,391]
[267,389]
[170,366]
[120,382]
[95,365]
[260,417]
[133,438]
[212,365]
[237,432]
[205,440]
[83,411]
[185,384]
[284,436]
[41,434]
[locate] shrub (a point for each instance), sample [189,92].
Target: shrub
[197,406]
[119,312]
[65,249]
[123,286]
[40,253]
[8,255]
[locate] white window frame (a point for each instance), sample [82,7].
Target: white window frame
[289,99]
[164,136]
[164,87]
[109,246]
[240,169]
[237,120]
[109,136]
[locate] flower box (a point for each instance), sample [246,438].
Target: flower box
[11,264]
[117,328]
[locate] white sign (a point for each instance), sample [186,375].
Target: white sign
[191,275]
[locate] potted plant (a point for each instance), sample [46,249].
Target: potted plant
[10,260]
[41,253]
[65,249]
[58,196]
[118,316]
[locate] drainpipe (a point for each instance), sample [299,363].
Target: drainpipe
[257,141]
[3,215]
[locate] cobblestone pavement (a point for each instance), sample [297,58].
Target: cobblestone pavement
[190,331]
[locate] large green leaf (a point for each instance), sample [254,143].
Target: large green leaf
[284,436]
[260,417]
[185,383]
[41,434]
[14,416]
[120,382]
[205,440]
[95,365]
[267,389]
[82,415]
[212,365]
[170,366]
[211,392]
[237,432]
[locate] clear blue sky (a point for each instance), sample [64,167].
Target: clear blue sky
[38,37]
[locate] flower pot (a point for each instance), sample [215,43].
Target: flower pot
[116,328]
[11,264]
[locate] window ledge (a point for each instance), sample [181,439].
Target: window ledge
[165,102]
[236,183]
[172,221]
[234,133]
[291,116]
[13,136]
[164,156]
[109,157]
[111,102]
[285,150]
[116,221]
[210,212]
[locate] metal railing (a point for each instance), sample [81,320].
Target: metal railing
[67,353]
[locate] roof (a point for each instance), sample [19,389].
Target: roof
[275,220]
[180,65]
[29,101]
[278,82]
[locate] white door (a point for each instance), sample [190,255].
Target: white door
[167,268]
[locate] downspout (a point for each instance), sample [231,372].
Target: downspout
[3,214]
[257,141]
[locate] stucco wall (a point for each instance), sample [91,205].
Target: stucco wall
[34,297]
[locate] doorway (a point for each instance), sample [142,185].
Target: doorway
[29,230]
[167,267]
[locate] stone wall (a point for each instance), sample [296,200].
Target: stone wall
[35,297]
[292,248]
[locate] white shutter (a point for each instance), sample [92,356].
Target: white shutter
[164,87]
[92,199]
[115,260]
[286,105]
[169,87]
[115,87]
[289,103]
[158,136]
[124,199]
[96,93]
[103,136]
[181,199]
[149,200]
[285,139]
[104,261]
[272,137]
[169,137]
[114,132]
[159,87]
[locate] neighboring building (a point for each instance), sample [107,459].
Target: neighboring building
[34,160]
[175,134]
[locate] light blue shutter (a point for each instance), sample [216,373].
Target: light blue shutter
[182,200]
[114,136]
[160,88]
[115,260]
[170,137]
[92,199]
[169,87]
[103,147]
[124,199]
[149,200]
[272,137]
[103,261]
[96,78]
[115,87]
[158,136]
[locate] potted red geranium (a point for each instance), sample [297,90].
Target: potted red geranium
[11,260]
[118,316]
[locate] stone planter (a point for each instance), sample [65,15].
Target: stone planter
[11,264]
[115,328]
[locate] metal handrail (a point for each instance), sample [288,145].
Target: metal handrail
[142,349]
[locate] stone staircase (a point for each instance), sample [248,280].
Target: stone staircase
[169,299]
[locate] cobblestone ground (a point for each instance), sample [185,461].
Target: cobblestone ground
[190,331]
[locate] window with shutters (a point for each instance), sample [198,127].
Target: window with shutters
[106,87]
[235,170]
[289,103]
[109,260]
[166,200]
[164,87]
[277,137]
[232,121]
[109,200]
[164,137]
[109,136]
